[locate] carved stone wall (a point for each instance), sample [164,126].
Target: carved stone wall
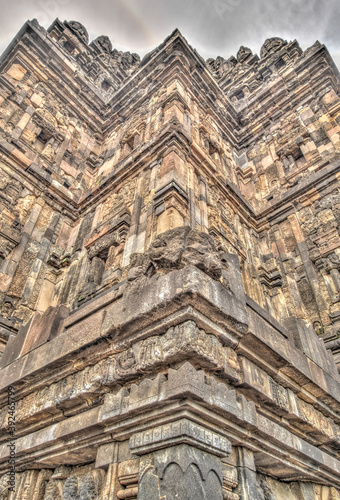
[169,269]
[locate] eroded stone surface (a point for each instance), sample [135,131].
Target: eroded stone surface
[169,245]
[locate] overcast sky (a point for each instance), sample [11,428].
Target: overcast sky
[213,27]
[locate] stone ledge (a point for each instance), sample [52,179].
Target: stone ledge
[265,436]
[118,317]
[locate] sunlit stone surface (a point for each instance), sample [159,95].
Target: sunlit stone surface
[169,270]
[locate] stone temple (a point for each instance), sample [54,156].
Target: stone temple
[169,259]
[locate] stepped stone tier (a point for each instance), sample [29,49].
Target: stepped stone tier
[169,259]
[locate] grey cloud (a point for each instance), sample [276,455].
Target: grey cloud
[214,27]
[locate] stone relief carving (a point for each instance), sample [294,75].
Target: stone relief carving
[172,249]
[86,487]
[144,366]
[79,30]
[243,54]
[178,432]
[52,491]
[177,470]
[103,43]
[178,343]
[264,489]
[4,487]
[220,66]
[105,249]
[180,472]
[271,45]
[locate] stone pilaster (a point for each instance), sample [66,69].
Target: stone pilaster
[180,459]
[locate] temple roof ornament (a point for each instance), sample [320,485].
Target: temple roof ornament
[78,29]
[271,45]
[103,43]
[243,54]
